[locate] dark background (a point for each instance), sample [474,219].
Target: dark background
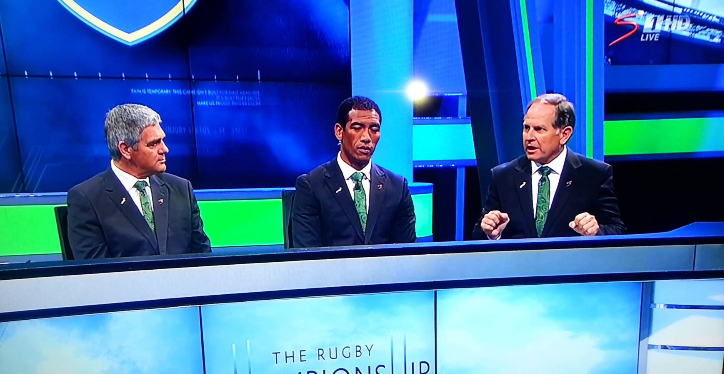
[247,91]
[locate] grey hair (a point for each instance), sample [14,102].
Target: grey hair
[125,123]
[565,114]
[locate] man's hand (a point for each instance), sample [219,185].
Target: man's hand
[493,223]
[585,224]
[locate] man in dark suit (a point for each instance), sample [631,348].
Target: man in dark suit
[551,191]
[134,208]
[350,200]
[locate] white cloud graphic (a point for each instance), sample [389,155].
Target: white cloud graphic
[485,333]
[37,348]
[155,341]
[693,330]
[324,322]
[677,362]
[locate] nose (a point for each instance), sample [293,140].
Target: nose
[366,137]
[164,148]
[528,135]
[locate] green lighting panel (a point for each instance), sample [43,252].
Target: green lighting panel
[660,136]
[234,223]
[423,214]
[32,229]
[28,230]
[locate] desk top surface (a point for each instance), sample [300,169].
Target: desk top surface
[700,233]
[39,290]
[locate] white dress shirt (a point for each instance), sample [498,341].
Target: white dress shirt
[128,180]
[554,177]
[347,172]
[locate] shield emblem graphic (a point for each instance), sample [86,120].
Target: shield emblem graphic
[129,21]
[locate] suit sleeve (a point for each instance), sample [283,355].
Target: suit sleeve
[492,202]
[606,212]
[404,229]
[200,242]
[306,216]
[84,229]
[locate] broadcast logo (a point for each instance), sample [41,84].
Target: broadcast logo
[653,25]
[129,21]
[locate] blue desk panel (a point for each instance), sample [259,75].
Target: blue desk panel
[574,305]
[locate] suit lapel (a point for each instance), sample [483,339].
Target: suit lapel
[563,191]
[522,181]
[125,204]
[160,211]
[338,188]
[378,180]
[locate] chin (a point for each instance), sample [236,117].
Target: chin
[363,159]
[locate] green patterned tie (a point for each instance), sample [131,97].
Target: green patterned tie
[544,198]
[145,204]
[360,201]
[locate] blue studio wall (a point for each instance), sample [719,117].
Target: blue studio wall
[247,90]
[381,37]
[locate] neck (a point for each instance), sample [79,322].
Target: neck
[128,168]
[553,157]
[355,165]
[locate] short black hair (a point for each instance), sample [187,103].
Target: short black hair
[565,114]
[357,103]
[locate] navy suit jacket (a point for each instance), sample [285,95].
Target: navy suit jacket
[585,185]
[104,222]
[323,212]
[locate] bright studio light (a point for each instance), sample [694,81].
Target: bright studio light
[417,90]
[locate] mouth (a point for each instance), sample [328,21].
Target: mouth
[530,148]
[365,150]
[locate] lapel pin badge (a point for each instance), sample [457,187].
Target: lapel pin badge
[123,201]
[379,186]
[521,186]
[160,201]
[569,183]
[339,189]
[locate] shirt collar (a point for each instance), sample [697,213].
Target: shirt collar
[347,170]
[127,180]
[556,165]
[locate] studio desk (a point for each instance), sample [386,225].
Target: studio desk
[650,303]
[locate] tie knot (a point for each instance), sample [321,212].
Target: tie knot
[544,171]
[357,176]
[141,185]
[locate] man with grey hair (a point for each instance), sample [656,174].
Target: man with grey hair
[134,208]
[551,191]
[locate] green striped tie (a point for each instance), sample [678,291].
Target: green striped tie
[360,200]
[544,198]
[145,204]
